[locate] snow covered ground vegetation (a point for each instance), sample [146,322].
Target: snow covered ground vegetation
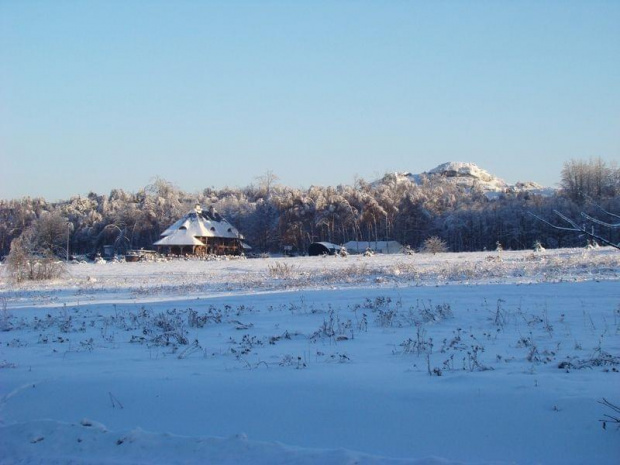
[487,357]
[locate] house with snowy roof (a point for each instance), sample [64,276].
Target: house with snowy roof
[201,233]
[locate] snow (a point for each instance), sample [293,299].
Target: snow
[316,360]
[181,237]
[197,224]
[462,169]
[469,175]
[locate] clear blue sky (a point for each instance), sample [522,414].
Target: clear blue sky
[102,95]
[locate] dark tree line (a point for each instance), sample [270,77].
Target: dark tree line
[271,215]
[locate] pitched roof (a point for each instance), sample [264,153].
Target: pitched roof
[179,237]
[319,248]
[198,223]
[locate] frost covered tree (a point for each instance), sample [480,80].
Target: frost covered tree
[594,179]
[266,181]
[51,233]
[589,226]
[270,215]
[31,258]
[434,245]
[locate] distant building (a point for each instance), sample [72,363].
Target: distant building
[201,233]
[386,247]
[323,248]
[108,251]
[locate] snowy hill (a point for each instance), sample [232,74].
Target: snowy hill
[470,176]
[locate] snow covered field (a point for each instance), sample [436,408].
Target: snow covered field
[491,357]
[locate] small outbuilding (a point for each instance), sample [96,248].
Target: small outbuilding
[201,233]
[386,247]
[323,248]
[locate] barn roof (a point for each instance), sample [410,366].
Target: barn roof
[198,223]
[179,237]
[319,248]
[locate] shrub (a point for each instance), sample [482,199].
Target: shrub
[281,270]
[26,263]
[434,245]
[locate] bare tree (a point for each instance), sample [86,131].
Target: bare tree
[28,261]
[614,417]
[585,227]
[266,182]
[590,179]
[603,223]
[51,233]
